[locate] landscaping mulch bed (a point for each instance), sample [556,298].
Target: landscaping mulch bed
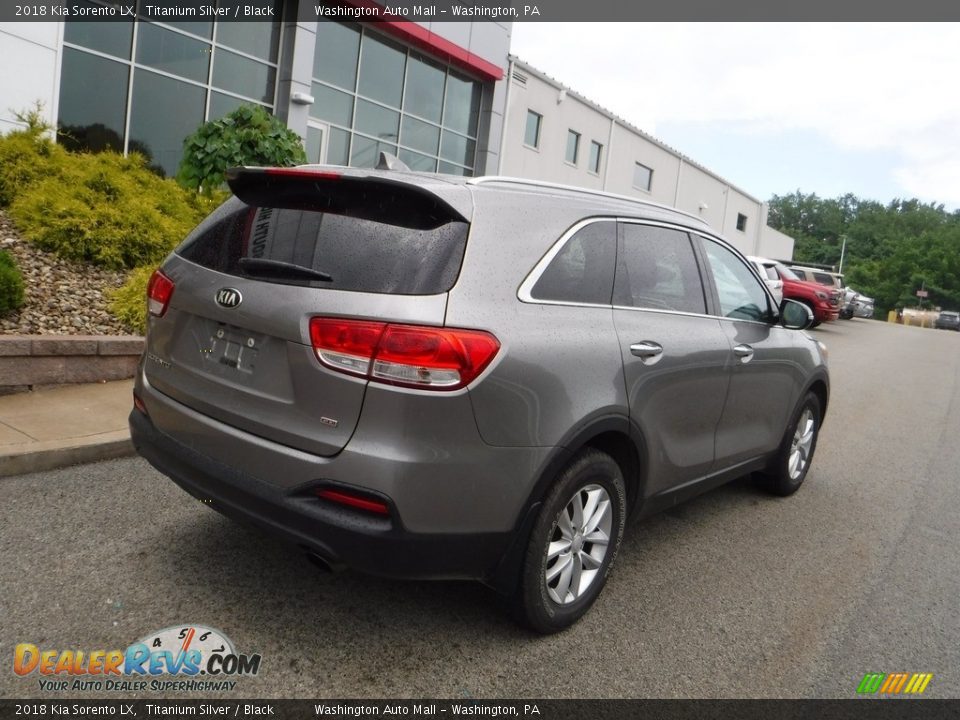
[61,297]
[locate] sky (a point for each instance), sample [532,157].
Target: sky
[862,108]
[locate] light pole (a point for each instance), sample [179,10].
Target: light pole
[843,249]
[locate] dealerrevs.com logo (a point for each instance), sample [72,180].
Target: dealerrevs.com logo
[178,658]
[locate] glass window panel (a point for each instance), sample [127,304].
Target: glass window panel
[381,71]
[377,120]
[451,169]
[531,135]
[332,105]
[420,135]
[596,150]
[112,38]
[418,162]
[573,146]
[582,272]
[336,53]
[243,76]
[366,151]
[656,269]
[457,148]
[424,95]
[338,147]
[154,130]
[642,176]
[261,39]
[172,52]
[203,29]
[462,105]
[93,101]
[741,295]
[221,104]
[314,144]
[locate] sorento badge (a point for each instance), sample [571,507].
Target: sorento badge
[229,297]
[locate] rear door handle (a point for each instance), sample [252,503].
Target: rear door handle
[648,351]
[744,352]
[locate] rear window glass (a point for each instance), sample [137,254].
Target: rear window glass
[357,254]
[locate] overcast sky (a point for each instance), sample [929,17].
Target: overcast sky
[871,109]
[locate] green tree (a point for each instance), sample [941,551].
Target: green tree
[891,250]
[247,136]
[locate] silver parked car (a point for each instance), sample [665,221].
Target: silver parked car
[863,307]
[424,376]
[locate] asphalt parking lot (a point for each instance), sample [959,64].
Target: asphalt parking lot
[735,594]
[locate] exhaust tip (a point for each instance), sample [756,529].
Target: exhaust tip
[328,566]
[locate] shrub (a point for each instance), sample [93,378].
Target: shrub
[129,302]
[106,209]
[11,284]
[27,156]
[247,136]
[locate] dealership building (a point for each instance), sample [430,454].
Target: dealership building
[442,96]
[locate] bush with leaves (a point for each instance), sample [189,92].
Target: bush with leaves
[247,136]
[11,284]
[27,155]
[106,209]
[129,302]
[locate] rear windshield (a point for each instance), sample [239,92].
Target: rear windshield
[357,254]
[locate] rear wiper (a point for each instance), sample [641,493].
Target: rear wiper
[285,269]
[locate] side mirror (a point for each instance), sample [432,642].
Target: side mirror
[795,315]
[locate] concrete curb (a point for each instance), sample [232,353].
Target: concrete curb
[57,454]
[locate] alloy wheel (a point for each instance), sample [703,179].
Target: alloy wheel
[578,544]
[801,444]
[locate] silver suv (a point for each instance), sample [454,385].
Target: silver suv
[423,376]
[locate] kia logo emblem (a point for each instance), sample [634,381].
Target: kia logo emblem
[229,297]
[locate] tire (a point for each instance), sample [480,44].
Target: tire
[792,462]
[548,598]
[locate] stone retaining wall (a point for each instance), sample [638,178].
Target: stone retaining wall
[44,360]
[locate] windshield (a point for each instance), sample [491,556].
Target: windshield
[785,272]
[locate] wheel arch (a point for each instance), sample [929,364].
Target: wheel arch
[613,434]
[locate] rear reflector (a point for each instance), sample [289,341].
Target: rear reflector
[358,502]
[159,292]
[138,404]
[408,355]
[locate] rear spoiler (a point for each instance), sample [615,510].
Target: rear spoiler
[367,197]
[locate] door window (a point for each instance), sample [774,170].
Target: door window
[738,291]
[656,269]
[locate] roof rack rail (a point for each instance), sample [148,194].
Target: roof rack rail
[485,179]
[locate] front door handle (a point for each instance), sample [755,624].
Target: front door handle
[648,351]
[744,352]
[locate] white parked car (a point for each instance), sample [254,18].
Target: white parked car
[769,274]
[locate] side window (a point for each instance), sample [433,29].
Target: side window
[582,272]
[656,269]
[741,296]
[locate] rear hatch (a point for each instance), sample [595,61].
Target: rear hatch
[234,341]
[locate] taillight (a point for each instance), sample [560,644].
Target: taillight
[159,292]
[407,355]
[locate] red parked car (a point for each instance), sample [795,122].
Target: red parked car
[822,301]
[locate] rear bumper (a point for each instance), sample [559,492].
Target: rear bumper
[341,536]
